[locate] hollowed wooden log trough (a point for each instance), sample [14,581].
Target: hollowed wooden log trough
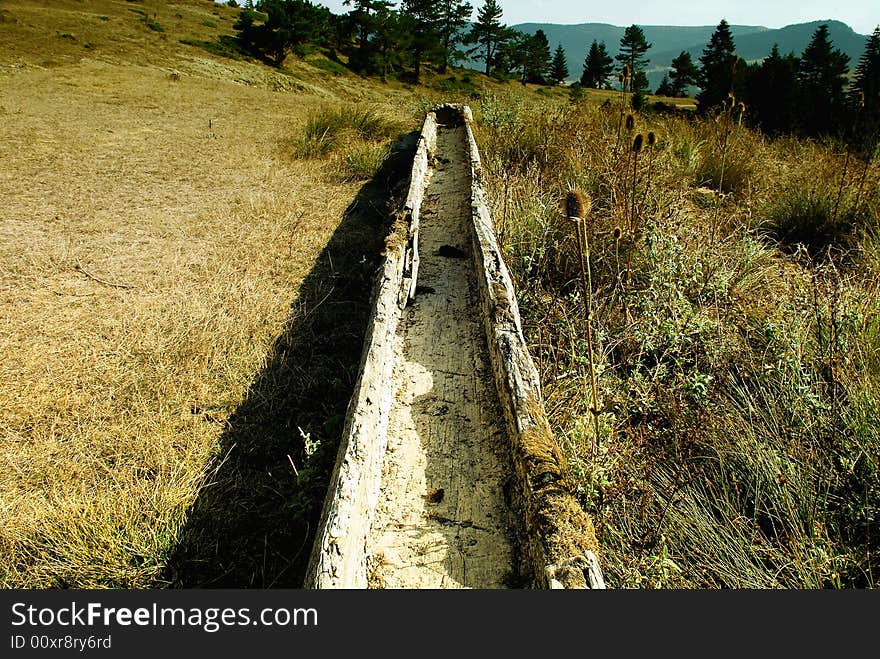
[448,474]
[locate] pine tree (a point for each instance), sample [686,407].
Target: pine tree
[598,67]
[717,65]
[512,54]
[364,17]
[286,26]
[822,76]
[559,65]
[684,74]
[488,33]
[248,31]
[370,21]
[866,93]
[454,16]
[537,58]
[392,37]
[341,32]
[424,22]
[633,47]
[665,88]
[772,93]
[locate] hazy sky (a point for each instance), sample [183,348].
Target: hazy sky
[861,15]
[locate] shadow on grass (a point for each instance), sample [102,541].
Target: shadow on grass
[253,524]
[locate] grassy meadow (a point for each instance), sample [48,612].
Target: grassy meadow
[186,252]
[733,307]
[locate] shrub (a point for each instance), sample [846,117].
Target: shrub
[225,46]
[638,101]
[728,152]
[452,85]
[730,174]
[815,218]
[329,65]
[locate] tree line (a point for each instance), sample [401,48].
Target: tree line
[811,94]
[814,94]
[379,39]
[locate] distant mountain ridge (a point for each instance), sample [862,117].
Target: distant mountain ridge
[753,42]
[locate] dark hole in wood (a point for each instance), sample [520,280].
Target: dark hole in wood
[448,116]
[451,252]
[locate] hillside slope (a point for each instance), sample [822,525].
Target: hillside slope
[156,242]
[790,39]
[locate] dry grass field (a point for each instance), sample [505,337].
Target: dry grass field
[155,236]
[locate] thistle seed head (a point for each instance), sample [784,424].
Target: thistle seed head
[630,122]
[618,232]
[638,142]
[577,204]
[652,139]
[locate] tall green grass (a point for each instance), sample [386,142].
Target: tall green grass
[334,127]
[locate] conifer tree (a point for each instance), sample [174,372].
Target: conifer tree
[822,76]
[665,87]
[454,16]
[285,26]
[717,68]
[598,66]
[423,18]
[633,47]
[537,58]
[559,65]
[392,38]
[866,81]
[248,30]
[364,17]
[488,33]
[684,74]
[772,93]
[512,55]
[370,21]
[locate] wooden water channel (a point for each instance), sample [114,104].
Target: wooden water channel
[448,475]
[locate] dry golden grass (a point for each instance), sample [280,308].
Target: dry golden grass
[153,236]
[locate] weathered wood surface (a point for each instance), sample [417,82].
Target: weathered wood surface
[448,474]
[443,519]
[413,205]
[339,559]
[556,528]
